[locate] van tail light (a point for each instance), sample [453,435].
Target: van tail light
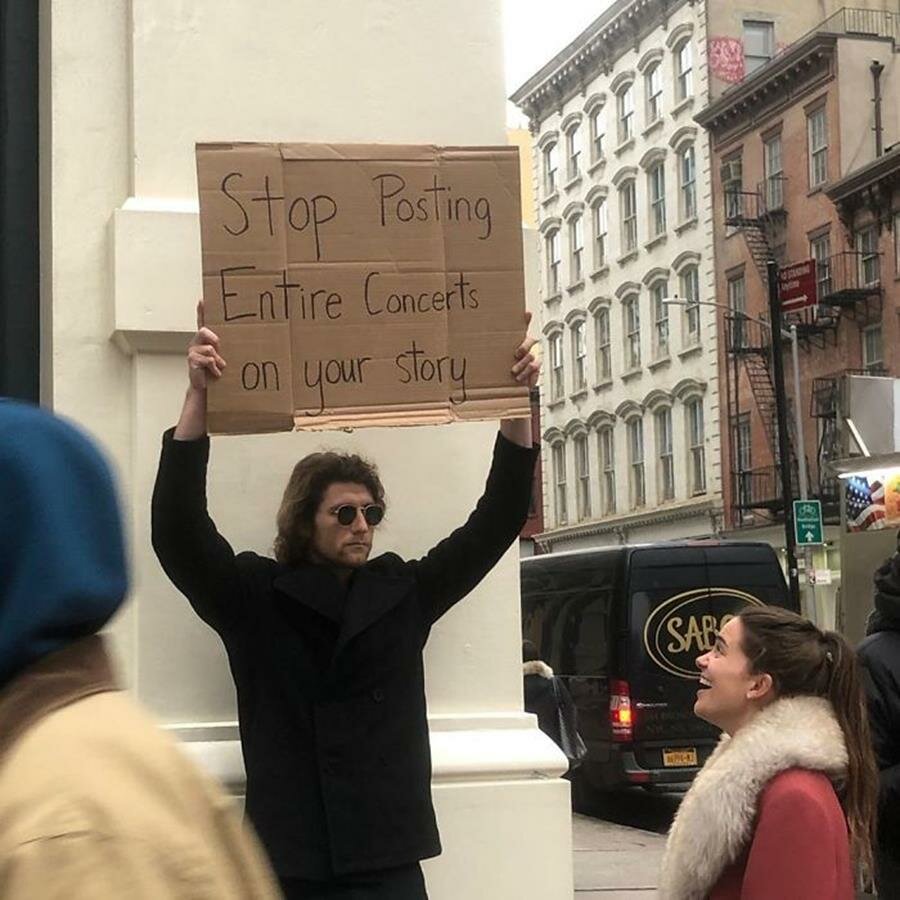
[620,712]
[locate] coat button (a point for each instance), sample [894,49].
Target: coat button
[378,695]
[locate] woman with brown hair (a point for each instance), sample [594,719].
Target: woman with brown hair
[785,806]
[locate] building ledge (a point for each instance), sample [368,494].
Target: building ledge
[654,126]
[603,385]
[682,106]
[660,363]
[597,165]
[687,224]
[628,257]
[599,273]
[690,351]
[573,182]
[624,147]
[671,512]
[632,373]
[657,241]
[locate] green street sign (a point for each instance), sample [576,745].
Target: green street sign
[808,523]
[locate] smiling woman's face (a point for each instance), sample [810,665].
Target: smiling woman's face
[729,694]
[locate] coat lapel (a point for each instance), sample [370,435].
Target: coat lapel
[372,595]
[315,587]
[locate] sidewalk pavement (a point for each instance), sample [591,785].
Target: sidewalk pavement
[614,862]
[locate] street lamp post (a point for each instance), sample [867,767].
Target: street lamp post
[790,542]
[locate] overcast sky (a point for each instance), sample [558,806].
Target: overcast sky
[535,31]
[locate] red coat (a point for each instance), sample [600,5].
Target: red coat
[800,848]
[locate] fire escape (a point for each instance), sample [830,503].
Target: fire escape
[761,218]
[848,285]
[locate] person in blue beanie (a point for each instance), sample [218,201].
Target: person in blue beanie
[95,801]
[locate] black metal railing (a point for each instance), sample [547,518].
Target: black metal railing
[742,207]
[761,488]
[850,275]
[868,22]
[746,335]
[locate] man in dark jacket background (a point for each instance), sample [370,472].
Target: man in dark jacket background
[879,654]
[325,646]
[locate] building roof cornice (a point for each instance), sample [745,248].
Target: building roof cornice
[885,168]
[621,27]
[802,63]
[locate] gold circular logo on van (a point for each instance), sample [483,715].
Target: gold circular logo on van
[675,634]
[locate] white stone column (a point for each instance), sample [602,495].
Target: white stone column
[129,87]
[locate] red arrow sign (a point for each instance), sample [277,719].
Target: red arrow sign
[797,286]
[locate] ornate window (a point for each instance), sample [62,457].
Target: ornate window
[576,249]
[690,291]
[637,482]
[579,356]
[558,452]
[665,452]
[607,459]
[600,217]
[684,71]
[687,176]
[654,88]
[631,313]
[628,215]
[551,244]
[625,112]
[551,168]
[583,476]
[602,341]
[658,293]
[557,374]
[656,180]
[696,446]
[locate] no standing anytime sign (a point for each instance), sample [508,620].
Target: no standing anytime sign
[797,286]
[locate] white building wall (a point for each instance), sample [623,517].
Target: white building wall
[128,87]
[690,369]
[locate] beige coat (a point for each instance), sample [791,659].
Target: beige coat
[96,802]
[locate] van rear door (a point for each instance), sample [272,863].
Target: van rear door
[670,621]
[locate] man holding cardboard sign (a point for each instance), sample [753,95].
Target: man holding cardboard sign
[325,645]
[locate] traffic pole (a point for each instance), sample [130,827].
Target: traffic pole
[781,416]
[809,565]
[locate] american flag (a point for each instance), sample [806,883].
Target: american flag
[865,504]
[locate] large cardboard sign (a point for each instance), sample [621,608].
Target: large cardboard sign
[361,284]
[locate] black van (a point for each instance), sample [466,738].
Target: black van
[623,626]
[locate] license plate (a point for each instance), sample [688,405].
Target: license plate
[687,757]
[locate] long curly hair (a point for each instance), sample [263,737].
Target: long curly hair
[303,495]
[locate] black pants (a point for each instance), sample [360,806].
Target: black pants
[404,883]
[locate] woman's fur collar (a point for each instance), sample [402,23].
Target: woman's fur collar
[715,821]
[536,667]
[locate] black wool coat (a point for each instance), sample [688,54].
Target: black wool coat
[330,682]
[879,655]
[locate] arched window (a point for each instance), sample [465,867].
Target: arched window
[550,158]
[573,151]
[628,216]
[576,249]
[603,345]
[582,476]
[693,411]
[631,322]
[636,476]
[551,246]
[665,453]
[659,291]
[558,457]
[625,111]
[687,182]
[653,88]
[684,71]
[606,458]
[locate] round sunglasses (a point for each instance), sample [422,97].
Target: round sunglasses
[346,514]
